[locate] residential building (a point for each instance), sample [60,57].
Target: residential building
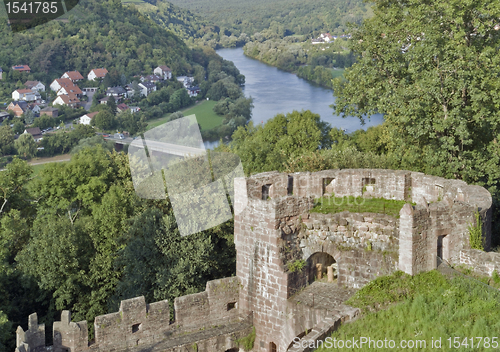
[18,107]
[151,78]
[119,92]
[147,88]
[35,86]
[70,100]
[87,118]
[134,109]
[163,71]
[186,81]
[97,73]
[35,107]
[1,73]
[52,112]
[35,132]
[130,90]
[23,94]
[22,68]
[70,90]
[193,91]
[74,76]
[122,107]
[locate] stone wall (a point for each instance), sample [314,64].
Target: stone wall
[482,263]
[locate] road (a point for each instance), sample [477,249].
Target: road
[88,104]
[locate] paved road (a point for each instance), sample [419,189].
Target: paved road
[88,104]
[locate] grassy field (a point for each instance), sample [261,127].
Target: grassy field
[421,309]
[337,72]
[205,115]
[327,205]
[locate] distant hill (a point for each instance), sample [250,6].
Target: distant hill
[293,16]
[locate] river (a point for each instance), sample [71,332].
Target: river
[275,91]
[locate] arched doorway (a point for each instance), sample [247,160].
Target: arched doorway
[317,265]
[235,349]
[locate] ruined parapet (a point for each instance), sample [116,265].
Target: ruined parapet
[33,339]
[70,336]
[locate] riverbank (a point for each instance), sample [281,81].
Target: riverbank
[316,63]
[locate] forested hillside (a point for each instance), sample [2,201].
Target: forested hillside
[283,16]
[108,35]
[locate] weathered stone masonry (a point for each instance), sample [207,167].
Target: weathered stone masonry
[275,234]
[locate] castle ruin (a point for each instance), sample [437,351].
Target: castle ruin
[282,248]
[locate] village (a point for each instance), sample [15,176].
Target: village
[34,100]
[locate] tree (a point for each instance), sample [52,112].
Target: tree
[433,69]
[44,121]
[112,105]
[26,145]
[6,140]
[282,137]
[18,127]
[104,120]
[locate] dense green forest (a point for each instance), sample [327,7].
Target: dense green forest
[284,17]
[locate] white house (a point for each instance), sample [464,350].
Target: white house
[85,119]
[74,76]
[163,71]
[186,81]
[35,132]
[147,88]
[97,73]
[35,108]
[23,94]
[193,91]
[66,90]
[70,100]
[35,86]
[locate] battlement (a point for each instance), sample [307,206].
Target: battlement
[139,324]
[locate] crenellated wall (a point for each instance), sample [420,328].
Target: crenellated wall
[137,325]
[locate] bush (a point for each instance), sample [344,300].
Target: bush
[476,233]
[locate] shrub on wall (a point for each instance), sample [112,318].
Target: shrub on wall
[247,341]
[476,233]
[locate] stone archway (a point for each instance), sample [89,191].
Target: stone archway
[317,265]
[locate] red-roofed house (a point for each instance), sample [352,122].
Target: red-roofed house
[122,107]
[97,73]
[19,107]
[70,100]
[65,86]
[22,68]
[74,76]
[85,119]
[23,94]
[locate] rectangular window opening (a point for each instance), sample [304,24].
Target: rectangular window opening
[231,305]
